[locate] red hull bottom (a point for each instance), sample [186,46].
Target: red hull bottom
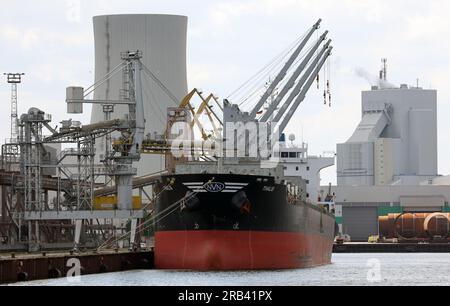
[234,250]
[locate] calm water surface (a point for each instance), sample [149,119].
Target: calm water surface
[347,269]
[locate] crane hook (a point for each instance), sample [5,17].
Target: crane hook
[328,92]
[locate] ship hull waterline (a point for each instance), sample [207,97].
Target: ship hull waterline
[228,251]
[210,234]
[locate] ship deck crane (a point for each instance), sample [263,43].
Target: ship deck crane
[274,105]
[302,95]
[301,84]
[284,71]
[204,107]
[186,103]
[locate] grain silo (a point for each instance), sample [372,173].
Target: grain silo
[162,39]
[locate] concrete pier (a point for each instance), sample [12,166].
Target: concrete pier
[27,267]
[392,248]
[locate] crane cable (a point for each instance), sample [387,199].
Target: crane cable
[105,78]
[270,67]
[257,86]
[285,79]
[257,82]
[168,211]
[161,85]
[325,82]
[142,227]
[158,107]
[329,81]
[145,207]
[280,56]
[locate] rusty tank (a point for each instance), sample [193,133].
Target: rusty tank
[415,226]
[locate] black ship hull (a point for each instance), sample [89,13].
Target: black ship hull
[238,222]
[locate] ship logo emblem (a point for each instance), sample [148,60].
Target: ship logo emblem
[214,187]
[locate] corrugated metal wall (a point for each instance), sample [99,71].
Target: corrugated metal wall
[360,222]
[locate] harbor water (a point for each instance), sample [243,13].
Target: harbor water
[347,269]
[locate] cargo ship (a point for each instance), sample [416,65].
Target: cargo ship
[251,210]
[240,222]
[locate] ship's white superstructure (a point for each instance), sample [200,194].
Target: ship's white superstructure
[297,163]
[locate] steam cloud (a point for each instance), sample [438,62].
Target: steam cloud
[372,79]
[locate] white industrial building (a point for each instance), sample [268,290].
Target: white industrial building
[396,141]
[162,40]
[389,165]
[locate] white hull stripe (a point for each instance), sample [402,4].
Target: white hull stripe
[229,187]
[228,184]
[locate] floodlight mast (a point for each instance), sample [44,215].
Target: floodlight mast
[14,79]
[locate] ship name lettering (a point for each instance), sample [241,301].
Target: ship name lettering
[268,188]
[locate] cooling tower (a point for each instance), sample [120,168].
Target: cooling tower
[162,39]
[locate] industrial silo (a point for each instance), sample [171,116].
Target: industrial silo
[162,39]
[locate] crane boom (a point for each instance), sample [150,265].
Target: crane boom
[205,107]
[284,71]
[300,84]
[186,103]
[292,80]
[302,95]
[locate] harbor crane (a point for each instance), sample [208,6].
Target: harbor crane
[205,107]
[284,70]
[295,89]
[273,106]
[301,90]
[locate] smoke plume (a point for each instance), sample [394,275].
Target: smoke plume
[372,79]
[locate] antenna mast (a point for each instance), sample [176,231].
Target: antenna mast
[383,72]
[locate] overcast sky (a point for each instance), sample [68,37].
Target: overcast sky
[229,41]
